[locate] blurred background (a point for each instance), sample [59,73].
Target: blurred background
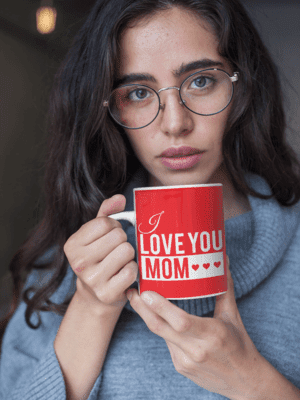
[28,61]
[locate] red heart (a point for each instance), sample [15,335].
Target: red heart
[217,264]
[206,266]
[195,267]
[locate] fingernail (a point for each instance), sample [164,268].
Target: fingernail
[129,294]
[147,298]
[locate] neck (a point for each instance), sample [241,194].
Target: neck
[234,203]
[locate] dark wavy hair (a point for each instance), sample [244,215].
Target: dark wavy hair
[89,157]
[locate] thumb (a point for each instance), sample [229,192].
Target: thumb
[225,303]
[112,205]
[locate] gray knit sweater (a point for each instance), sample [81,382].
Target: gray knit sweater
[264,250]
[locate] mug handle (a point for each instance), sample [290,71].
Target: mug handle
[130,217]
[126,215]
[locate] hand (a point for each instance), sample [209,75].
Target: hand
[215,353]
[102,259]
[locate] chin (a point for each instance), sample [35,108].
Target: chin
[184,178]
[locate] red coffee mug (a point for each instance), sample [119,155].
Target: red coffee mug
[180,237]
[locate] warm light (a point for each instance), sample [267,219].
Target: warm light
[46,19]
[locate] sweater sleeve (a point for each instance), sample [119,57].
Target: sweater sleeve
[29,368]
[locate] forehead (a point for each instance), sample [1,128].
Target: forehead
[166,40]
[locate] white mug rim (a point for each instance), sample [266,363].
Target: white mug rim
[177,186]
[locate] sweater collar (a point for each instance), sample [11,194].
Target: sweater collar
[255,241]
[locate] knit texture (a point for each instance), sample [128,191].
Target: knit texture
[264,250]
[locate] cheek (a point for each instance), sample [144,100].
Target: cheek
[217,125]
[139,143]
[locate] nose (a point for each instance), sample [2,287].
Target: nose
[175,117]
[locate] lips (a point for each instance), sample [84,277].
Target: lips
[183,151]
[181,157]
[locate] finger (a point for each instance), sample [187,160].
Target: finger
[189,340]
[113,291]
[171,322]
[110,265]
[112,205]
[96,251]
[103,246]
[155,323]
[181,357]
[121,281]
[173,349]
[226,307]
[91,231]
[101,225]
[177,318]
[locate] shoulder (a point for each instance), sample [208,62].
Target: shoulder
[17,327]
[291,238]
[295,243]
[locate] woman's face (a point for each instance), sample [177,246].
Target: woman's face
[157,48]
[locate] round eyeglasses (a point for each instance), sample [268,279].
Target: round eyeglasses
[206,92]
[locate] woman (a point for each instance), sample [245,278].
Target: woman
[89,342]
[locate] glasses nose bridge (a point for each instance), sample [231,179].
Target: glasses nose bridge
[162,106]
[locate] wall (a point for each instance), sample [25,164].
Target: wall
[279,26]
[25,76]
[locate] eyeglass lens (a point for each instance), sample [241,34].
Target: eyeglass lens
[206,93]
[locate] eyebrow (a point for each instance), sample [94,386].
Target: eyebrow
[183,69]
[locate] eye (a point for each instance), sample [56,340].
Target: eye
[202,82]
[139,94]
